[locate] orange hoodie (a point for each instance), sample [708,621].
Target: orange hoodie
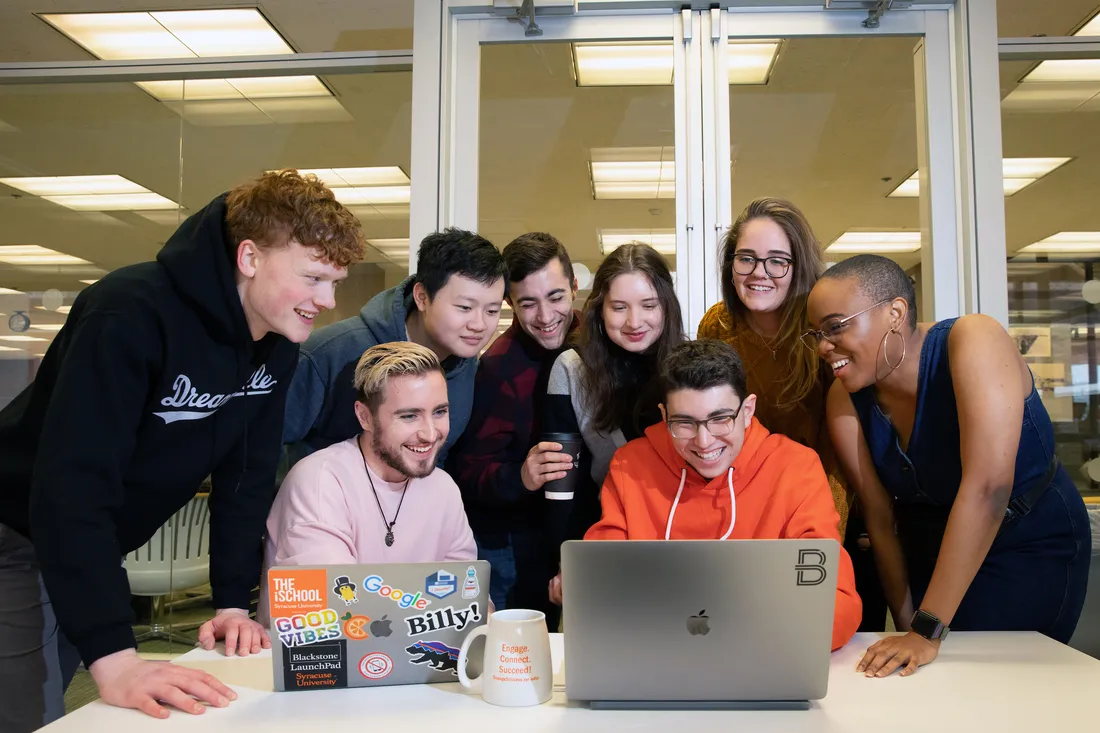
[781,493]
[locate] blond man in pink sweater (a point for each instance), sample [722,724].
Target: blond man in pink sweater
[378,497]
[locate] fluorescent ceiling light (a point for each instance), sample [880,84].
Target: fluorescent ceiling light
[853,242]
[392,248]
[62,309]
[199,90]
[89,282]
[633,173]
[32,254]
[386,175]
[623,64]
[92,193]
[1064,70]
[1065,243]
[10,348]
[172,34]
[662,240]
[22,338]
[751,62]
[372,195]
[1019,173]
[651,64]
[9,291]
[1092,28]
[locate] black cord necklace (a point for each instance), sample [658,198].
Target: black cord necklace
[389,525]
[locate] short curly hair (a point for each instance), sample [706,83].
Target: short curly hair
[284,205]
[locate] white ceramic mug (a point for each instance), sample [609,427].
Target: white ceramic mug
[518,669]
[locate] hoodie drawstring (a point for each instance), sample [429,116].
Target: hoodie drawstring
[676,501]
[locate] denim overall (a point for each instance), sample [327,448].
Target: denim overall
[1035,574]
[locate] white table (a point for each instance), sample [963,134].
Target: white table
[991,681]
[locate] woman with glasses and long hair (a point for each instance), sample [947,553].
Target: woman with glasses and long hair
[974,523]
[607,387]
[770,259]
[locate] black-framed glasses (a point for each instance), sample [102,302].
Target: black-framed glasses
[832,329]
[686,428]
[775,266]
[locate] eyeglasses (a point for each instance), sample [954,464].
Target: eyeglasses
[687,428]
[832,329]
[777,267]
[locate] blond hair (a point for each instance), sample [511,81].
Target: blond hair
[394,359]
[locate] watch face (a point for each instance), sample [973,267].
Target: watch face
[928,626]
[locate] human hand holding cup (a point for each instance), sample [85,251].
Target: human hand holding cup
[518,669]
[560,485]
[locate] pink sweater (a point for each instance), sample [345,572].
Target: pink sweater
[325,514]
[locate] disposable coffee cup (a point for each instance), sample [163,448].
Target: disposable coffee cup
[562,489]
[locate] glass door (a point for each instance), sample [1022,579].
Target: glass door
[852,124]
[588,131]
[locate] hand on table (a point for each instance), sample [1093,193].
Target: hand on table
[555,589]
[126,680]
[908,652]
[242,635]
[544,464]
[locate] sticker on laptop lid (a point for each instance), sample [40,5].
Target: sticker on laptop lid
[470,587]
[296,590]
[435,654]
[443,618]
[376,584]
[302,629]
[376,666]
[440,584]
[345,590]
[318,666]
[355,627]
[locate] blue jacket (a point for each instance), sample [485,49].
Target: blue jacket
[320,406]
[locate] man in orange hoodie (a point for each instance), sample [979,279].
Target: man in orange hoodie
[712,471]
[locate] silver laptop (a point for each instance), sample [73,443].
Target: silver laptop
[708,623]
[363,625]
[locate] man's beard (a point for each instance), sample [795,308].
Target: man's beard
[397,462]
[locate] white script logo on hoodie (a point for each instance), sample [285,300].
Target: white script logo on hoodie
[187,396]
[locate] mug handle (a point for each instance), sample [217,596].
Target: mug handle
[473,684]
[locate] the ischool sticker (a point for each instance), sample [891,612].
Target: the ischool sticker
[308,628]
[375,584]
[376,666]
[293,591]
[443,618]
[317,666]
[440,584]
[435,654]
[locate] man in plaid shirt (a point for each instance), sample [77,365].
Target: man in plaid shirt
[499,463]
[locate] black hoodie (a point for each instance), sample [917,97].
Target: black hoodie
[153,384]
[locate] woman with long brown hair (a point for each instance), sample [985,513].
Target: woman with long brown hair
[770,260]
[606,387]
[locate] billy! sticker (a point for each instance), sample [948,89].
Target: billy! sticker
[445,618]
[375,584]
[435,654]
[296,591]
[308,628]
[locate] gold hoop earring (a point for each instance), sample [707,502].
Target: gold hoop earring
[885,355]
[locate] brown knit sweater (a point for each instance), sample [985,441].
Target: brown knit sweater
[803,421]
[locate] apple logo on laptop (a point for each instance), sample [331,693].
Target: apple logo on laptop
[698,625]
[381,627]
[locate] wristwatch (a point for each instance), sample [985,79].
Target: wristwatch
[927,625]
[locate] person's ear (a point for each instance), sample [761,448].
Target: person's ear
[363,414]
[748,409]
[576,286]
[421,297]
[248,255]
[899,313]
[664,414]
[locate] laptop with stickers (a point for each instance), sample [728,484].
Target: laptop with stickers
[363,625]
[741,624]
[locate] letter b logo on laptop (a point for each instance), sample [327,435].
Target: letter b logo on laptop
[811,567]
